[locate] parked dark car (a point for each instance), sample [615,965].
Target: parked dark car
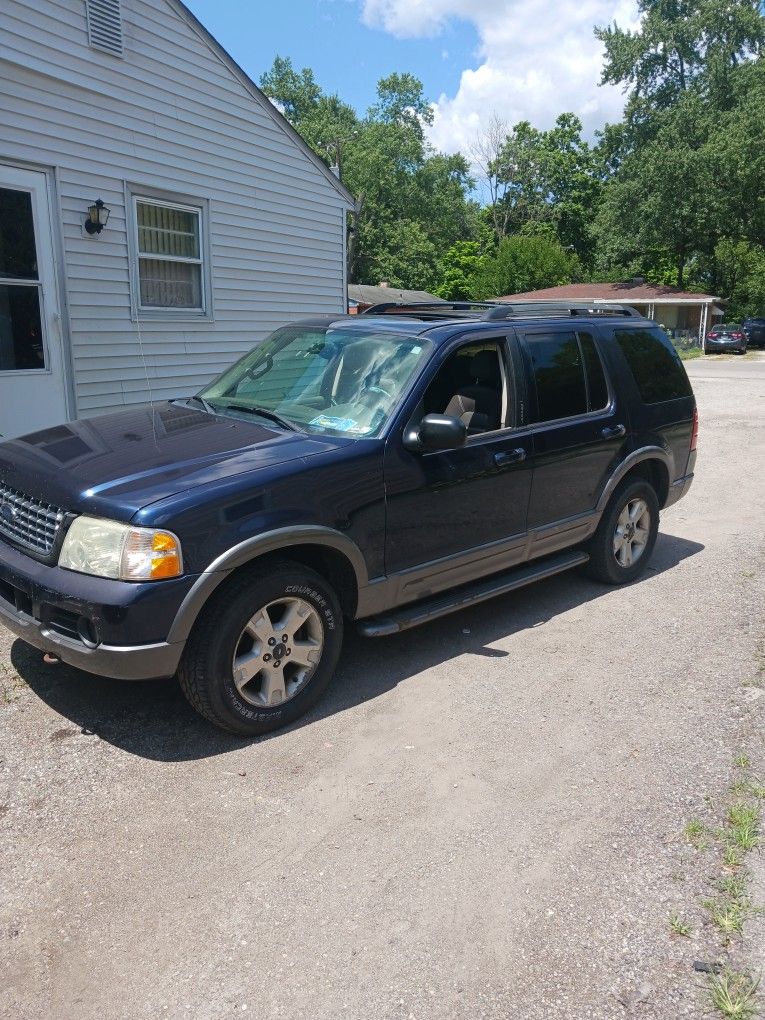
[386,469]
[726,338]
[754,331]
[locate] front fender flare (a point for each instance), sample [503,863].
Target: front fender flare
[251,549]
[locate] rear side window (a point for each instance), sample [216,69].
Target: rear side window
[568,374]
[655,365]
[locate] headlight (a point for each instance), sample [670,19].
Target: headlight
[109,549]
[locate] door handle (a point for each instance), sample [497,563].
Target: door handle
[613,431]
[510,457]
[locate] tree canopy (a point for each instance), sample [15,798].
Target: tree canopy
[674,192]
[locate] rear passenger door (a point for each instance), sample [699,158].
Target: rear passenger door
[579,426]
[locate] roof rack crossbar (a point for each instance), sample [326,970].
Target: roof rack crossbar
[519,309]
[499,310]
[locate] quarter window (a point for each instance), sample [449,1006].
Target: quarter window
[655,364]
[170,256]
[597,388]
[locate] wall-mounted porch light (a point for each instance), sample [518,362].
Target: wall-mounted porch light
[98,215]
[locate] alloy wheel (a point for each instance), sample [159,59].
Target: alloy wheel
[633,529]
[278,652]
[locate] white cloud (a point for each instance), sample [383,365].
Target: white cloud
[535,59]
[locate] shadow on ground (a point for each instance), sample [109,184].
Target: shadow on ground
[153,720]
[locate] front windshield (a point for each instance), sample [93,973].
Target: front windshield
[340,380]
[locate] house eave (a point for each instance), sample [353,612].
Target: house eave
[262,99]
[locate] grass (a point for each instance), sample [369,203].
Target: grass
[731,857]
[744,824]
[689,353]
[678,925]
[733,886]
[728,915]
[695,833]
[734,994]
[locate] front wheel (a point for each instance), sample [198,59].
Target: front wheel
[264,649]
[622,545]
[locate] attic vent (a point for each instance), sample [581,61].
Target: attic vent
[105,25]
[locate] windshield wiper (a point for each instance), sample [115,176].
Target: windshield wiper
[264,412]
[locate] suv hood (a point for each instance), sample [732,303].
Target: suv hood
[115,465]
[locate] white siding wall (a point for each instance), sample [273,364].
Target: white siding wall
[169,115]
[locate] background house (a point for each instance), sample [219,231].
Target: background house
[222,223]
[680,312]
[362,296]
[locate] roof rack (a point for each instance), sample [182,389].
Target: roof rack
[432,309]
[499,310]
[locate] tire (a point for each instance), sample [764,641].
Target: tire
[246,620]
[606,564]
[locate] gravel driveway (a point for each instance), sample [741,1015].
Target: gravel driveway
[483,819]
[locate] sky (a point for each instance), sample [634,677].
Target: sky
[518,59]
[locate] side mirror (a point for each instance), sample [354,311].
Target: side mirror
[436,432]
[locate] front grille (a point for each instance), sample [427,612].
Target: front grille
[30,522]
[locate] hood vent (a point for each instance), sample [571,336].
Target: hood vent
[105,25]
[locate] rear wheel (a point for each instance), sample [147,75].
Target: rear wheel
[621,547]
[264,649]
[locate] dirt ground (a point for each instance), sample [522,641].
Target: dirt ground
[483,819]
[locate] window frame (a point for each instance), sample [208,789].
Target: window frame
[183,203]
[531,383]
[511,384]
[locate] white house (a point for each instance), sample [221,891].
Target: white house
[222,224]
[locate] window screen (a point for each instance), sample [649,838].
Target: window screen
[169,256]
[655,364]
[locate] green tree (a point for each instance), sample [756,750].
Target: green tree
[457,270]
[412,202]
[405,257]
[295,92]
[740,276]
[522,264]
[685,168]
[681,44]
[551,177]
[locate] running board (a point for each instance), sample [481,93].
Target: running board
[499,584]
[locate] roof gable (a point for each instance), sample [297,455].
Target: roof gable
[260,97]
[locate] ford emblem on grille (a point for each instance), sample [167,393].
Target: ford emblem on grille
[8,512]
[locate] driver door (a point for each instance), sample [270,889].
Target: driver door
[453,515]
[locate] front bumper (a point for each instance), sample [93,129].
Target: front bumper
[110,628]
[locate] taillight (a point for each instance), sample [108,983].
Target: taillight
[695,430]
[712,336]
[737,336]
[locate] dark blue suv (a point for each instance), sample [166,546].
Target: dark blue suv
[386,468]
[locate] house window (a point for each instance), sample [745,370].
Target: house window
[169,249]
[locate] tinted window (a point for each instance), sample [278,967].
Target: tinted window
[655,364]
[558,375]
[597,390]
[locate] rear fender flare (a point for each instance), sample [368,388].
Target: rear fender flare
[636,457]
